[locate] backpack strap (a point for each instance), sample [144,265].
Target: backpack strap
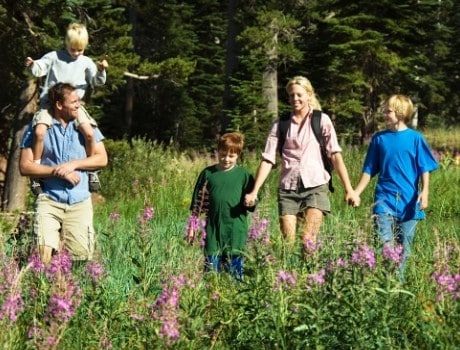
[283,127]
[316,126]
[317,130]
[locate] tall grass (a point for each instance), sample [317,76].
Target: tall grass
[146,290]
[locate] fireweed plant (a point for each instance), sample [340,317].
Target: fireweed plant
[147,289]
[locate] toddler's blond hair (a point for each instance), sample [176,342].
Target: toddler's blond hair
[76,36]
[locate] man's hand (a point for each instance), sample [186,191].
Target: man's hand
[64,169]
[73,178]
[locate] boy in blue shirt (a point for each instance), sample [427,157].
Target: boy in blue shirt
[403,161]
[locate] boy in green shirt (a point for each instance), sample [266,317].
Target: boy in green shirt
[219,195]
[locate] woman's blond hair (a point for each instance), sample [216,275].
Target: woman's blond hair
[306,84]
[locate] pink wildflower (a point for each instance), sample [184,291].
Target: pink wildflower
[363,256]
[114,216]
[316,279]
[9,271]
[147,215]
[393,253]
[340,262]
[284,280]
[165,310]
[310,246]
[258,228]
[447,284]
[60,264]
[105,343]
[62,306]
[36,263]
[95,270]
[12,306]
[195,224]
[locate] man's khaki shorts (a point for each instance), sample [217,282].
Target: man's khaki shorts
[59,226]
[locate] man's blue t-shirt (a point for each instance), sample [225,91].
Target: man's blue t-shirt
[61,145]
[400,158]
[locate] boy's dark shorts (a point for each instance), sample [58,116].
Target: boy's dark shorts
[293,202]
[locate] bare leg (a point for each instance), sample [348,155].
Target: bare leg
[45,253]
[288,225]
[40,131]
[312,224]
[90,141]
[38,139]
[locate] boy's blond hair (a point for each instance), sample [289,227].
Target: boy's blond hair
[76,36]
[231,142]
[402,106]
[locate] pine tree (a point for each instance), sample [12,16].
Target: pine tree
[267,42]
[184,109]
[33,28]
[365,54]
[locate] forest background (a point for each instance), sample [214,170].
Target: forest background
[181,72]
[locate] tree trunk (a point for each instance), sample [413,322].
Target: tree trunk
[230,62]
[270,90]
[270,78]
[129,106]
[14,194]
[129,103]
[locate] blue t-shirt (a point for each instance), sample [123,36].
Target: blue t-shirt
[400,158]
[61,145]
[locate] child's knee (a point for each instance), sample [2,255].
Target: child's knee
[40,132]
[90,138]
[88,132]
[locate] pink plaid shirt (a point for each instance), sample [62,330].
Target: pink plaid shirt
[301,153]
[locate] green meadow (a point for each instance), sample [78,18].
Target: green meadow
[146,289]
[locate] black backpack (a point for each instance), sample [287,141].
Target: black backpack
[283,126]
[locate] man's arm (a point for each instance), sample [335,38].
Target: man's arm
[27,167]
[94,162]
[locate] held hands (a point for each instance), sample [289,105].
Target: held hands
[250,199]
[353,199]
